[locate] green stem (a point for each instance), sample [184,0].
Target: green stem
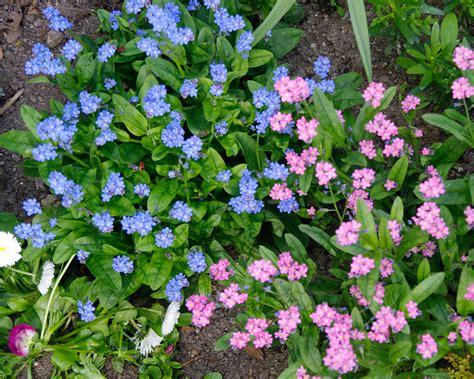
[70,156]
[469,123]
[21,272]
[51,295]
[186,188]
[259,164]
[334,202]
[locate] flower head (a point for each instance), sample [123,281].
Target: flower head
[19,339]
[47,276]
[10,249]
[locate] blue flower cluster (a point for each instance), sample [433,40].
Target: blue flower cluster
[224,176]
[106,51]
[165,20]
[70,49]
[174,287]
[276,171]
[181,211]
[279,73]
[326,86]
[269,99]
[44,152]
[32,207]
[288,206]
[89,103]
[154,103]
[109,83]
[56,21]
[197,260]
[228,23]
[53,128]
[82,256]
[122,264]
[246,202]
[114,24]
[103,221]
[164,238]
[150,47]
[38,237]
[53,222]
[114,186]
[193,5]
[142,190]
[104,119]
[173,134]
[189,88]
[244,44]
[322,65]
[218,72]
[141,223]
[192,147]
[71,112]
[212,4]
[86,311]
[43,62]
[134,6]
[221,128]
[71,192]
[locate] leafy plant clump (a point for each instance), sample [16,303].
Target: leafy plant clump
[192,171]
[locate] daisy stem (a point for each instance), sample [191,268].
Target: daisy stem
[21,272]
[51,295]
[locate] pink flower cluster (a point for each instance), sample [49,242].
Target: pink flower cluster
[394,149]
[427,348]
[256,327]
[469,213]
[292,91]
[433,187]
[262,270]
[325,171]
[464,58]
[410,103]
[452,337]
[201,309]
[356,195]
[348,233]
[280,192]
[367,148]
[426,151]
[301,373]
[374,93]
[466,330]
[394,227]
[298,163]
[231,296]
[239,340]
[340,355]
[469,295]
[290,267]
[428,219]
[280,121]
[390,185]
[363,178]
[219,271]
[379,294]
[385,319]
[386,267]
[462,89]
[307,129]
[382,126]
[361,266]
[288,322]
[412,309]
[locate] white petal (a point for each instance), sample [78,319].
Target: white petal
[149,342]
[46,277]
[171,318]
[10,249]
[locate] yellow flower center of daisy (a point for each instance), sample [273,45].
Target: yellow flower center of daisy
[2,248]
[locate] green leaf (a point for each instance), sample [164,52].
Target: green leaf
[249,149]
[457,191]
[19,142]
[397,210]
[135,122]
[213,375]
[464,306]
[162,195]
[327,116]
[258,57]
[320,236]
[297,249]
[449,30]
[8,222]
[449,126]
[131,153]
[423,271]
[101,267]
[278,11]
[399,171]
[64,359]
[400,350]
[85,67]
[368,239]
[425,288]
[413,238]
[223,342]
[157,271]
[282,41]
[361,33]
[309,351]
[166,71]
[449,152]
[213,163]
[30,117]
[212,108]
[204,285]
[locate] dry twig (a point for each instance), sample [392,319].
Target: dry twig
[11,101]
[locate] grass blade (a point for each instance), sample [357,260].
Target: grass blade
[277,13]
[361,32]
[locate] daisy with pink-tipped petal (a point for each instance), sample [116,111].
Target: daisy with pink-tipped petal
[20,339]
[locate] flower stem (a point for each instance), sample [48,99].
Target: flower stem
[21,272]
[469,123]
[259,164]
[186,188]
[334,202]
[70,156]
[44,324]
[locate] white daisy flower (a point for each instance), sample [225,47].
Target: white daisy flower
[171,318]
[47,277]
[148,343]
[10,249]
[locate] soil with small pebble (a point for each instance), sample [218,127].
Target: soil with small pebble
[326,32]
